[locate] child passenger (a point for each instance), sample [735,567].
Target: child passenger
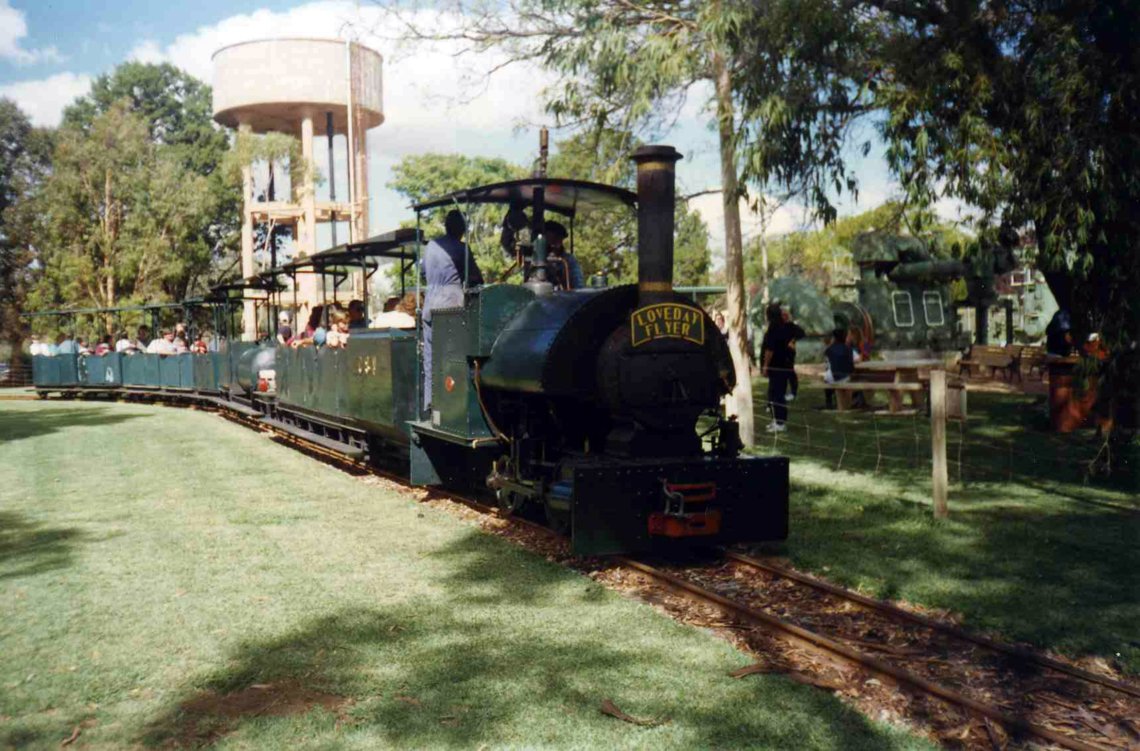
[338,336]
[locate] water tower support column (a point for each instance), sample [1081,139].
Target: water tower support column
[249,310]
[308,233]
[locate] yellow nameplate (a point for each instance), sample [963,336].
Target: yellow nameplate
[668,320]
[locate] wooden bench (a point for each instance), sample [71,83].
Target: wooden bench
[989,356]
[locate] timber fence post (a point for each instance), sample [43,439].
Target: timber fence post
[939,478]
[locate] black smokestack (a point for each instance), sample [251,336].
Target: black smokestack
[656,175]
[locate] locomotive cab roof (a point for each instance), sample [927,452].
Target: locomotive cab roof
[561,196]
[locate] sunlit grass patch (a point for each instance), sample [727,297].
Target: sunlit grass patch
[170,579]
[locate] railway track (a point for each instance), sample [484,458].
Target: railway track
[927,668]
[1058,695]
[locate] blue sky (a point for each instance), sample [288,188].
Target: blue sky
[51,49]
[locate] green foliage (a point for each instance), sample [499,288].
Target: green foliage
[176,107]
[824,255]
[1027,113]
[176,110]
[24,161]
[122,216]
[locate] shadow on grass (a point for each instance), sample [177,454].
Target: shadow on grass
[444,673]
[1060,577]
[28,548]
[29,423]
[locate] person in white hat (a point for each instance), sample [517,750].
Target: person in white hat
[284,330]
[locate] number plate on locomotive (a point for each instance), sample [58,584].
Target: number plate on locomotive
[667,321]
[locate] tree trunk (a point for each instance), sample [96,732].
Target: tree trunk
[740,400]
[764,249]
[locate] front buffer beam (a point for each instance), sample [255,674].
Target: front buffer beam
[640,506]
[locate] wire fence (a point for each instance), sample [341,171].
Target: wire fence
[16,375]
[986,446]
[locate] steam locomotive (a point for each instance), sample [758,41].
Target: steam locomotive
[582,405]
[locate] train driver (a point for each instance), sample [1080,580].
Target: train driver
[565,271]
[442,261]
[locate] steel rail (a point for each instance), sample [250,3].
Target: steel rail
[854,656]
[951,630]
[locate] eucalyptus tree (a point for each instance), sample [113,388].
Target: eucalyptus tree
[120,216]
[25,157]
[177,113]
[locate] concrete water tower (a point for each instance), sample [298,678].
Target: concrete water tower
[305,88]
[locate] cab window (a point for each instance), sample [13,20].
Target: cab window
[932,308]
[903,308]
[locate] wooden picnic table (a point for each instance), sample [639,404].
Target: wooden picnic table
[895,378]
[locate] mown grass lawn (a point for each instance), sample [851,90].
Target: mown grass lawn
[153,560]
[1033,549]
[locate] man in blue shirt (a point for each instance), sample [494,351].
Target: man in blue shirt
[443,258]
[840,364]
[556,236]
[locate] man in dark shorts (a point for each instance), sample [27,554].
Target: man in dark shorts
[777,352]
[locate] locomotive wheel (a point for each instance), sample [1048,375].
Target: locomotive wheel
[558,520]
[510,503]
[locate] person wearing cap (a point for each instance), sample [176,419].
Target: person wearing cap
[1059,334]
[448,267]
[284,329]
[565,271]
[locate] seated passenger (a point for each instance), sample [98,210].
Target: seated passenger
[65,345]
[198,347]
[163,345]
[105,346]
[338,334]
[142,341]
[284,330]
[401,316]
[122,342]
[180,337]
[565,272]
[314,333]
[356,317]
[39,348]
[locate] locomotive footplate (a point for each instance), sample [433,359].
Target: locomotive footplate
[640,506]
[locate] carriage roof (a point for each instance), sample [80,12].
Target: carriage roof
[396,245]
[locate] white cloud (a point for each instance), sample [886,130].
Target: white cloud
[787,218]
[44,99]
[13,28]
[147,51]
